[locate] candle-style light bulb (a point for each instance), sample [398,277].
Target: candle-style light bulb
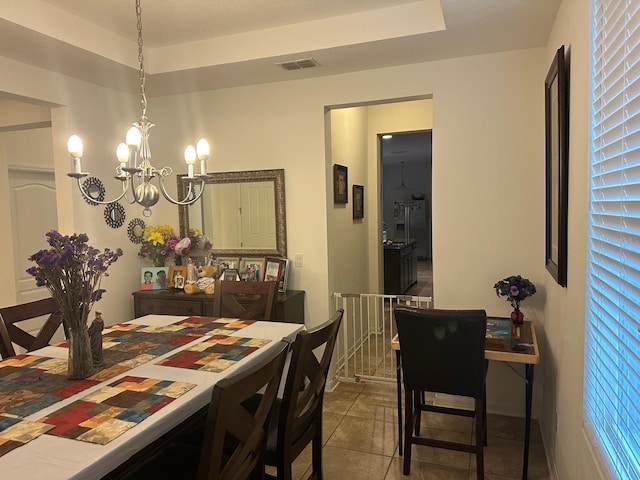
[133,138]
[122,154]
[74,147]
[203,150]
[190,158]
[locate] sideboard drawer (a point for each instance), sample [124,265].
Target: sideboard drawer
[289,305]
[169,307]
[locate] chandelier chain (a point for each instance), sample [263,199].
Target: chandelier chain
[141,75]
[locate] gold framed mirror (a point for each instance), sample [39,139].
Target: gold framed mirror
[243,213]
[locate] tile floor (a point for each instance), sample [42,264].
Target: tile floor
[361,442]
[361,436]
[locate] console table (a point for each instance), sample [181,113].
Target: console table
[289,305]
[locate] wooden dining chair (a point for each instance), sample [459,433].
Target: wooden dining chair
[246,300]
[297,418]
[442,352]
[232,444]
[15,314]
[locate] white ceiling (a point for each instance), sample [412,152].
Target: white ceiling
[192,45]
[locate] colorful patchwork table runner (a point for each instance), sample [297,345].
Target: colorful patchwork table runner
[15,432]
[107,413]
[29,383]
[214,354]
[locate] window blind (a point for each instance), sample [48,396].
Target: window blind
[612,343]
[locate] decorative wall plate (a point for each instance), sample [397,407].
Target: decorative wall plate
[135,230]
[114,215]
[94,188]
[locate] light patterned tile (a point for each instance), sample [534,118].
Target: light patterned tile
[424,471]
[340,463]
[365,435]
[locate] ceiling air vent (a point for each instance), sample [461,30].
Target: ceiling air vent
[298,64]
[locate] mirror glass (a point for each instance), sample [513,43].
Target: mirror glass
[135,230]
[94,189]
[243,213]
[114,215]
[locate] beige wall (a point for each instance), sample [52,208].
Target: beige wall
[564,312]
[488,189]
[348,248]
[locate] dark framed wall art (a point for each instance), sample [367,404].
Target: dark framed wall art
[556,97]
[340,183]
[358,202]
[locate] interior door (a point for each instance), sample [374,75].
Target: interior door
[33,213]
[258,215]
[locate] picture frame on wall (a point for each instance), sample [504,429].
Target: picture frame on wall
[177,275]
[556,167]
[340,184]
[358,202]
[153,278]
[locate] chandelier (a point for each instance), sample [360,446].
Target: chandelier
[402,186]
[135,170]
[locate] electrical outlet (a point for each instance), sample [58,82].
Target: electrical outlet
[298,260]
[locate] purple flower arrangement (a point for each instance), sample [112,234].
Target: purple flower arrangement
[515,288]
[72,271]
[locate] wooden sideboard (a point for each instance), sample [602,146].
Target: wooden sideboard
[289,305]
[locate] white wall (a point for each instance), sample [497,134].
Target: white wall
[563,339]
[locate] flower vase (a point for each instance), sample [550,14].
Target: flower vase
[517,319]
[80,363]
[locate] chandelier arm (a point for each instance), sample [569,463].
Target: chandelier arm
[185,200]
[94,200]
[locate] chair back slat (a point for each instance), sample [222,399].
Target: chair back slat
[13,315]
[245,300]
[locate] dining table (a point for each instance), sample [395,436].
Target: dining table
[163,362]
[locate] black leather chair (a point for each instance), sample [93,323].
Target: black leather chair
[442,352]
[15,314]
[232,445]
[297,418]
[246,300]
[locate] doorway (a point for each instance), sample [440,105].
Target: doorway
[406,161]
[33,211]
